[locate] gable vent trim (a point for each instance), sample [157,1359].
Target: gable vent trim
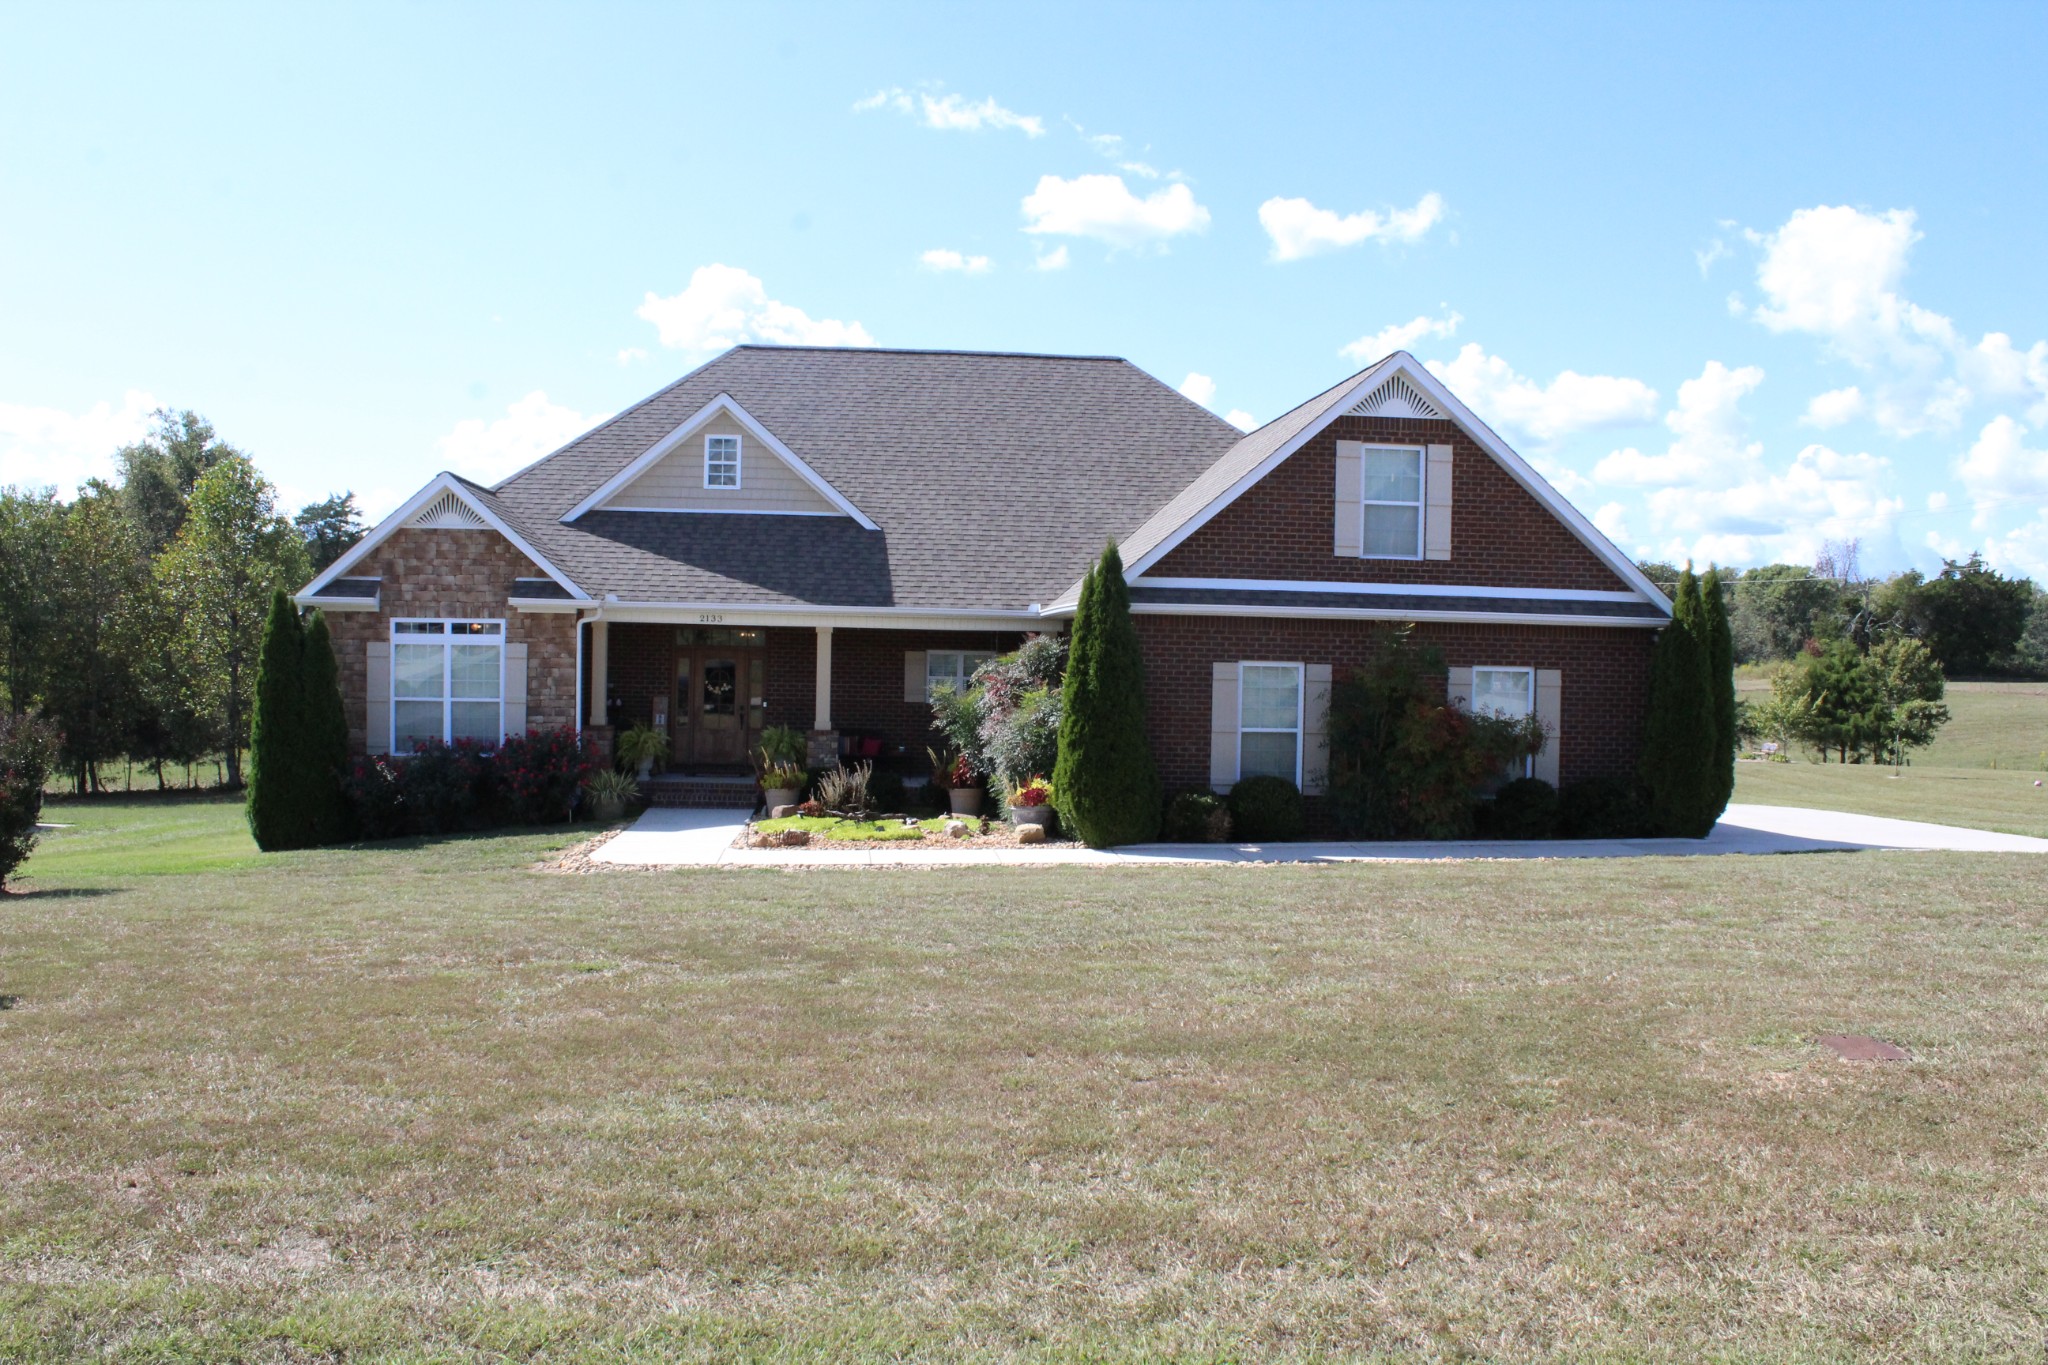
[449,513]
[1396,398]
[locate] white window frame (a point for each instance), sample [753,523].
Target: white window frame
[737,445]
[1300,729]
[1529,763]
[1421,503]
[977,657]
[446,639]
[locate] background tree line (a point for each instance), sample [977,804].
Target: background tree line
[131,615]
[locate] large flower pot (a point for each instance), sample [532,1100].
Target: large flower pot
[964,800]
[644,769]
[606,809]
[1040,816]
[771,797]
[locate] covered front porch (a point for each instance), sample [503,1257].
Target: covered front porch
[712,681]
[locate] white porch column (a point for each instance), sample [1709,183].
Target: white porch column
[600,670]
[823,719]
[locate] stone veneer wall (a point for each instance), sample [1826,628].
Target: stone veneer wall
[466,574]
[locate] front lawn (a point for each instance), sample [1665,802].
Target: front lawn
[421,1102]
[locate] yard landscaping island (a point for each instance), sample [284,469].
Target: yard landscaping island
[414,1100]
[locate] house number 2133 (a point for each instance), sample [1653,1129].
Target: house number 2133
[710,618]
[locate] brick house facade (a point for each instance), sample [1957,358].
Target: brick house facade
[794,536]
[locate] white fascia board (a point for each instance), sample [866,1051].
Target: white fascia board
[444,482]
[724,403]
[808,614]
[543,606]
[306,599]
[1489,618]
[1388,589]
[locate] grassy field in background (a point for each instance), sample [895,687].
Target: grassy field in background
[418,1101]
[1976,798]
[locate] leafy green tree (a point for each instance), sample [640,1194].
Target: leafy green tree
[1105,781]
[330,528]
[1776,609]
[325,747]
[1974,615]
[279,813]
[1720,642]
[159,472]
[1909,688]
[233,551]
[89,691]
[31,531]
[28,746]
[1680,738]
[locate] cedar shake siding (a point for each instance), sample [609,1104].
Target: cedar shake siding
[1280,527]
[466,574]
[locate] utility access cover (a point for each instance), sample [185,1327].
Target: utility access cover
[1856,1047]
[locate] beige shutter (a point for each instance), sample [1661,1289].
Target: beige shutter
[914,685]
[1315,735]
[1549,708]
[377,698]
[1350,539]
[1459,688]
[1223,725]
[1436,512]
[515,688]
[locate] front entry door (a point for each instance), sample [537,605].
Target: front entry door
[719,699]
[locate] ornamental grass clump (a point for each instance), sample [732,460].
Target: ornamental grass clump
[843,791]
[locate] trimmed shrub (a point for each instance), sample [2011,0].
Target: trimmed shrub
[1107,782]
[28,749]
[325,747]
[279,805]
[1680,739]
[1601,808]
[1526,808]
[445,788]
[1266,810]
[375,807]
[536,776]
[1196,817]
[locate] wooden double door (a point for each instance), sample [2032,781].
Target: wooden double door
[721,697]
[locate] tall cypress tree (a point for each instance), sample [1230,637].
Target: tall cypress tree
[326,736]
[1679,740]
[276,804]
[1105,781]
[1720,643]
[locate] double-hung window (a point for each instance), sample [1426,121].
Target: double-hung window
[721,462]
[1390,488]
[447,683]
[1509,692]
[952,669]
[1269,721]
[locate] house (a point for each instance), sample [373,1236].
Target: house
[814,537]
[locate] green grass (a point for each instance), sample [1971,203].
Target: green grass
[418,1102]
[144,836]
[844,831]
[1995,725]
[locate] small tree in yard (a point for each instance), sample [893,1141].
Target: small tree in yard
[1105,781]
[325,745]
[279,813]
[28,746]
[1680,737]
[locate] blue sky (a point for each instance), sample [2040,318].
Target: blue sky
[1740,279]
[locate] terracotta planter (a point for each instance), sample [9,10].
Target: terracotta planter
[1040,816]
[771,797]
[964,800]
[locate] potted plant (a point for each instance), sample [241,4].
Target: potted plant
[956,778]
[641,746]
[780,744]
[609,790]
[782,784]
[1031,803]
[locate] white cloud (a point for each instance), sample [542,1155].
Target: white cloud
[42,447]
[951,112]
[1822,495]
[1707,428]
[939,258]
[1834,407]
[1612,520]
[1717,250]
[1056,259]
[1103,207]
[632,355]
[1199,387]
[530,428]
[2023,550]
[2000,468]
[724,306]
[1298,228]
[1399,336]
[1241,419]
[1937,501]
[1571,402]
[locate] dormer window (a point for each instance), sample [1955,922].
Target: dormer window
[721,462]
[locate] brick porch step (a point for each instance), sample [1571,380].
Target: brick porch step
[701,791]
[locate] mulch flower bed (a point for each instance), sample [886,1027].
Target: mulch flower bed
[980,834]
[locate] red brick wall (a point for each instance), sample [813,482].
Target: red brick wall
[456,574]
[1283,526]
[1606,678]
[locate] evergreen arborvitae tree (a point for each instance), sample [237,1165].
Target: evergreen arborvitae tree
[1679,740]
[278,814]
[326,736]
[1105,781]
[1720,643]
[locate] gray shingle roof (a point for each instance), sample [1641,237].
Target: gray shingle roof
[994,478]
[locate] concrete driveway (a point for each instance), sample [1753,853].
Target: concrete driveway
[704,838]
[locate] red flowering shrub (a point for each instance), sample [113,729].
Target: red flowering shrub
[538,775]
[371,786]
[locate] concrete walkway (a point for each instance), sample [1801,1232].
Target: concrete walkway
[704,838]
